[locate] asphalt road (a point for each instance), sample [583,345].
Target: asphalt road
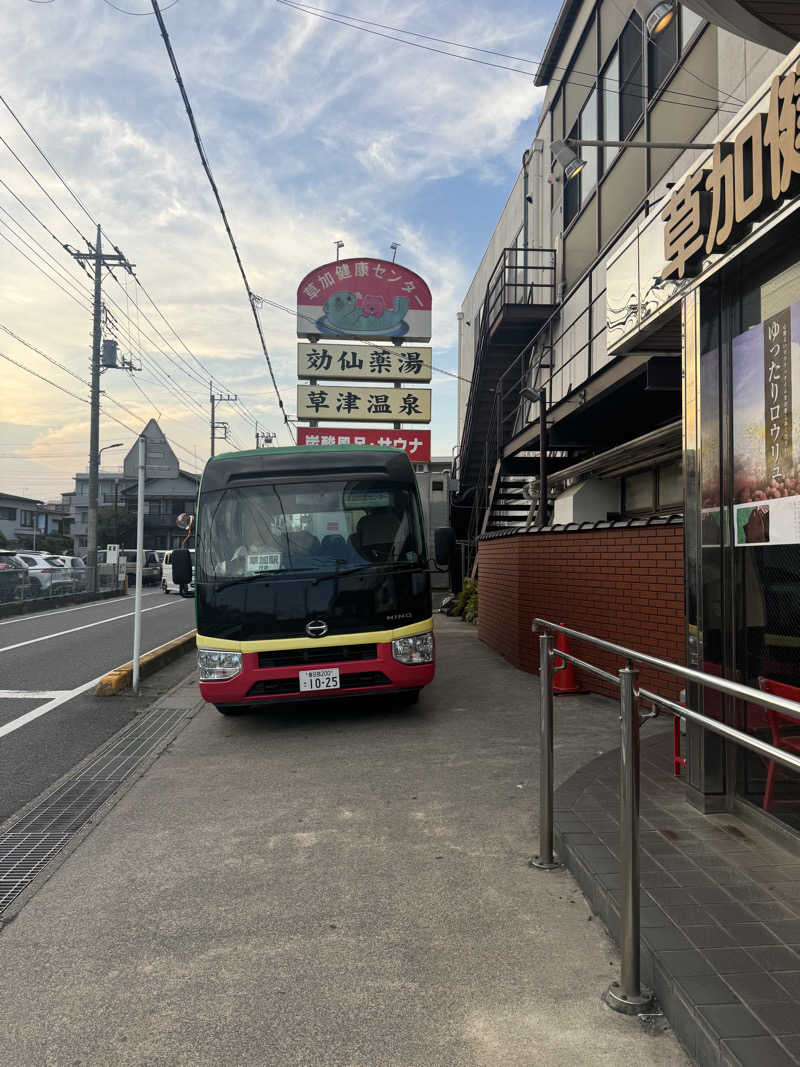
[49,663]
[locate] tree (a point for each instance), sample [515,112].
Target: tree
[3,540]
[116,526]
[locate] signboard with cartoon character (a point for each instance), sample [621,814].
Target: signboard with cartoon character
[364,299]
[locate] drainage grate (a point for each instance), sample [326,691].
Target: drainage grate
[43,832]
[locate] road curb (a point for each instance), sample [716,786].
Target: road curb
[122,677]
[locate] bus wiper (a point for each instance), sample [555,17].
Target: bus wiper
[341,574]
[244,578]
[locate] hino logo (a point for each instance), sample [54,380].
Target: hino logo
[316,628]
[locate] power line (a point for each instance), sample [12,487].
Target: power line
[244,410]
[43,271]
[55,266]
[340,18]
[213,184]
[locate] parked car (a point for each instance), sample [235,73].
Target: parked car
[76,569]
[167,584]
[13,577]
[47,577]
[151,568]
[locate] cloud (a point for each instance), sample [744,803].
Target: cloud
[316,132]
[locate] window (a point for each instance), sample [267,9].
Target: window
[653,491]
[689,24]
[26,519]
[589,131]
[83,515]
[611,96]
[572,187]
[631,95]
[662,55]
[437,487]
[670,486]
[8,513]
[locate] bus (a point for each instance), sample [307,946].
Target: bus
[312,577]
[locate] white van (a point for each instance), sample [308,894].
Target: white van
[167,584]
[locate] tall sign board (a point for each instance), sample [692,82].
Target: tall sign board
[387,308]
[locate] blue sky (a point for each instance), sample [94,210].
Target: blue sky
[315,131]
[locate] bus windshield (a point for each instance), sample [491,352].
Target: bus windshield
[308,527]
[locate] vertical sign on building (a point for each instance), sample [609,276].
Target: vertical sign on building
[778,395]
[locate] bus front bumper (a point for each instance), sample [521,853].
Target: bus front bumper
[256,684]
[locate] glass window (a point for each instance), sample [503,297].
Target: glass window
[630,74]
[689,24]
[610,83]
[589,131]
[572,187]
[8,513]
[638,492]
[670,486]
[437,487]
[26,518]
[318,527]
[662,55]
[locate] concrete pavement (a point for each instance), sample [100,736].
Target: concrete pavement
[339,884]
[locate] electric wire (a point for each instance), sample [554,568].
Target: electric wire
[340,20]
[55,266]
[215,190]
[44,272]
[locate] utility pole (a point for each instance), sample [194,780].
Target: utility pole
[264,437]
[222,398]
[96,257]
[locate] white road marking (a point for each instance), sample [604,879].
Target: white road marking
[88,626]
[43,709]
[25,694]
[58,699]
[35,615]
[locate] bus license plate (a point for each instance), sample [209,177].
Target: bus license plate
[320,680]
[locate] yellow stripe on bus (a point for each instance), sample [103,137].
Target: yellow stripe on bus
[376,637]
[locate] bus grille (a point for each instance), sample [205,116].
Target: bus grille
[301,657]
[281,686]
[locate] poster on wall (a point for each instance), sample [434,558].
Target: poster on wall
[766,432]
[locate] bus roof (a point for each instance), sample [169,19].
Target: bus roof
[290,450]
[304,461]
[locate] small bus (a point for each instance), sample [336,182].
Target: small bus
[312,576]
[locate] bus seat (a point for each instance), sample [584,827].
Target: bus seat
[375,534]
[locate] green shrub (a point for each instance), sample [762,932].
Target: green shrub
[471,608]
[469,587]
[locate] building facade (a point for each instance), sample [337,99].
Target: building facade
[168,492]
[21,516]
[619,334]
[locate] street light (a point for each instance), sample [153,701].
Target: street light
[655,14]
[563,151]
[569,160]
[105,448]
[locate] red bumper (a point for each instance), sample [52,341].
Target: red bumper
[262,685]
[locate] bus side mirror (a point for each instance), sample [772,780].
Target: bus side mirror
[181,566]
[444,542]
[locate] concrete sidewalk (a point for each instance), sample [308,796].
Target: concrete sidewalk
[341,884]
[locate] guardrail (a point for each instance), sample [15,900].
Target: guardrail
[627,995]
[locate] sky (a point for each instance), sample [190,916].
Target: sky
[316,132]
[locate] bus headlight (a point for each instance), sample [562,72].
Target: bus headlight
[218,666]
[416,649]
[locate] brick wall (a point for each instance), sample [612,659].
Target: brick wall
[623,584]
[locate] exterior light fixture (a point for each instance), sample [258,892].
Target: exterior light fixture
[656,15]
[529,394]
[394,246]
[569,160]
[339,246]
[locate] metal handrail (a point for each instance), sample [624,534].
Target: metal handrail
[627,995]
[722,685]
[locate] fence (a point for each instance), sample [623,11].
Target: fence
[627,995]
[21,585]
